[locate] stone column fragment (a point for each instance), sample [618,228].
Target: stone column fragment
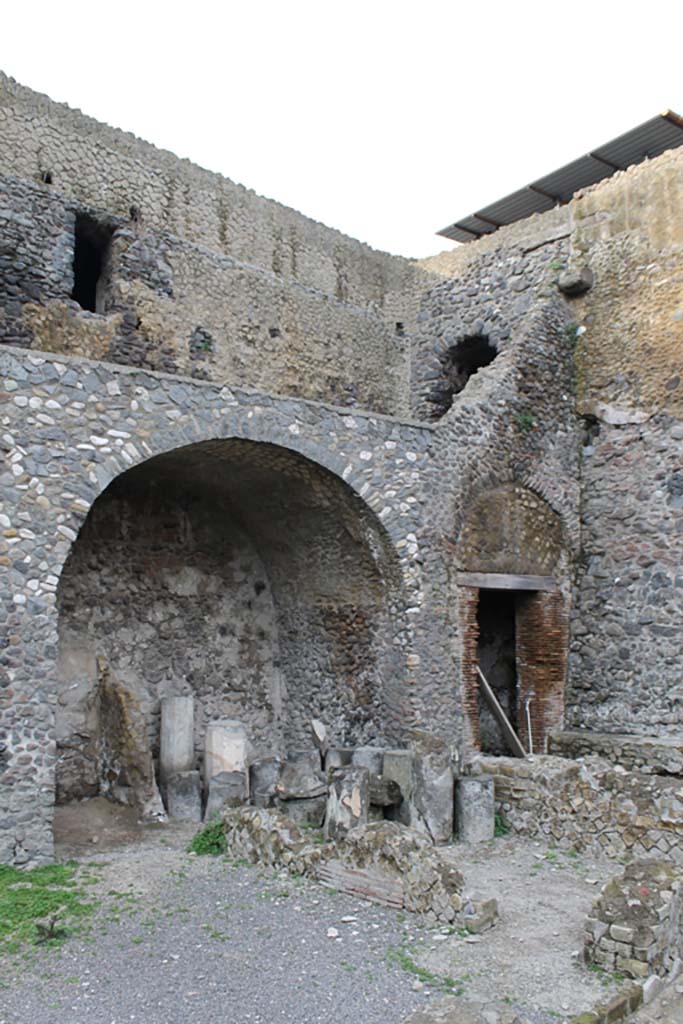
[177,737]
[474,809]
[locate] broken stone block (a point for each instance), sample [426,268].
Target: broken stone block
[480,914]
[371,758]
[348,801]
[474,809]
[226,790]
[264,775]
[320,738]
[338,757]
[176,753]
[431,802]
[398,768]
[184,796]
[308,812]
[299,780]
[384,792]
[226,748]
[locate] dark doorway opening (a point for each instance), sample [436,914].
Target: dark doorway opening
[92,242]
[496,653]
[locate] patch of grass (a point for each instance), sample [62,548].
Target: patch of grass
[39,905]
[209,840]
[500,829]
[403,958]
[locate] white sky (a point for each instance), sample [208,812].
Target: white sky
[386,119]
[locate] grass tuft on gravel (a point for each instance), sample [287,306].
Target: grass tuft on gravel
[209,840]
[38,905]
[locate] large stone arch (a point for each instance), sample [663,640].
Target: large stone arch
[237,570]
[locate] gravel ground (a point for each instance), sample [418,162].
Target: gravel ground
[201,940]
[188,939]
[530,960]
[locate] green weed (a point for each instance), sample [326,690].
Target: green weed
[39,905]
[209,840]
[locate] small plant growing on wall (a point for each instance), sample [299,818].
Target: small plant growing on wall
[525,421]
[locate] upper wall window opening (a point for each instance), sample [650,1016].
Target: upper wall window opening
[92,242]
[459,363]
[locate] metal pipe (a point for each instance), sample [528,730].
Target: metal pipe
[528,720]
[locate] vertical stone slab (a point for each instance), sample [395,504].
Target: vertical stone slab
[432,798]
[226,749]
[184,796]
[398,767]
[264,776]
[348,801]
[474,809]
[176,752]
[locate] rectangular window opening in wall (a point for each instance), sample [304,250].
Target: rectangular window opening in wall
[92,245]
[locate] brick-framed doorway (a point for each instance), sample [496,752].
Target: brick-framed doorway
[541,641]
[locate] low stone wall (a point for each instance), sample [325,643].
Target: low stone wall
[649,754]
[635,924]
[383,861]
[589,805]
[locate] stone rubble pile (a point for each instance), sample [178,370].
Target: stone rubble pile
[381,861]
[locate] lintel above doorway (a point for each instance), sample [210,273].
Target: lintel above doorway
[504,581]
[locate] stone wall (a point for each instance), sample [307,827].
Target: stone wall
[335,510]
[203,277]
[589,805]
[625,674]
[636,924]
[649,754]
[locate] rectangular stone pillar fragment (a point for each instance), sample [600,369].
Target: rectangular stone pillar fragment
[474,809]
[348,801]
[398,768]
[184,796]
[176,752]
[226,749]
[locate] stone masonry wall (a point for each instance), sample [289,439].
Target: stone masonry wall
[70,427]
[205,277]
[626,669]
[589,805]
[177,306]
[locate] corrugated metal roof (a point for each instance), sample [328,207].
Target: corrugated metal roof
[646,141]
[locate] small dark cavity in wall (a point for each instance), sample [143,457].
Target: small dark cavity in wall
[591,430]
[458,364]
[46,177]
[92,245]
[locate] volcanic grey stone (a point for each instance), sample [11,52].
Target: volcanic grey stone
[575,282]
[309,811]
[184,796]
[348,801]
[474,809]
[177,737]
[227,789]
[371,758]
[263,778]
[432,797]
[299,780]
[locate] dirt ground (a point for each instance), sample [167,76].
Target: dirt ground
[525,970]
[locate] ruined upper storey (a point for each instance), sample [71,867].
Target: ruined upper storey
[116,250]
